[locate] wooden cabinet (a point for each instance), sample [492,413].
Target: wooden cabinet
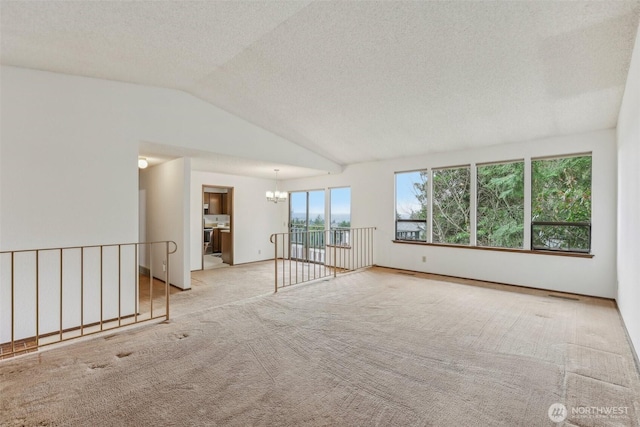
[215,204]
[218,203]
[224,203]
[215,243]
[227,248]
[206,201]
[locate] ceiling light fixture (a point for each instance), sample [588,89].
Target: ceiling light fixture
[277,196]
[142,162]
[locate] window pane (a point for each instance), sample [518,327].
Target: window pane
[451,205]
[411,205]
[500,207]
[569,237]
[316,210]
[340,214]
[298,214]
[340,209]
[561,195]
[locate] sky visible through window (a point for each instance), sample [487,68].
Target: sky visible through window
[316,204]
[340,204]
[341,201]
[299,204]
[406,201]
[340,209]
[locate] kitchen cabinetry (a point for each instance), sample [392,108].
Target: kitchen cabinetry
[218,203]
[227,253]
[215,203]
[226,204]
[215,243]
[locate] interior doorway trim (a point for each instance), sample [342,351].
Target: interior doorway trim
[230,204]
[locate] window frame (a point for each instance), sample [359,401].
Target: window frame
[427,207]
[528,223]
[524,200]
[585,224]
[471,191]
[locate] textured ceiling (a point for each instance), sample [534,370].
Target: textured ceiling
[353,81]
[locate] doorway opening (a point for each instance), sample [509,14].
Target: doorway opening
[217,226]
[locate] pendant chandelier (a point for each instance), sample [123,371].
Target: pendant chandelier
[276,196]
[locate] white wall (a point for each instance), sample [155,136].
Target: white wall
[150,114]
[68,175]
[69,148]
[373,204]
[167,212]
[254,218]
[629,201]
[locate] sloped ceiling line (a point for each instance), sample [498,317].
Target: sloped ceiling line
[353,81]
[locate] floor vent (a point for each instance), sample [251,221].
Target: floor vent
[406,273]
[563,297]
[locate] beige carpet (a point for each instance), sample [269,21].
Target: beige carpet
[212,261]
[369,348]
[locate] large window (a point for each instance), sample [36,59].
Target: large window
[451,205]
[487,208]
[561,204]
[500,205]
[411,205]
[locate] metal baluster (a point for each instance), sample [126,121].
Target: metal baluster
[288,254]
[167,283]
[13,320]
[136,280]
[60,294]
[101,284]
[81,291]
[151,280]
[336,233]
[37,298]
[119,284]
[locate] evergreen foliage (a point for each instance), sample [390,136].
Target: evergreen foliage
[500,219]
[560,192]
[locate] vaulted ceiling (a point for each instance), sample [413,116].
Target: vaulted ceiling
[353,81]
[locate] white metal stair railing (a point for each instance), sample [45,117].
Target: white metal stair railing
[303,255]
[57,294]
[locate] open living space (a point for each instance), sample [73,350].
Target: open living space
[319,213]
